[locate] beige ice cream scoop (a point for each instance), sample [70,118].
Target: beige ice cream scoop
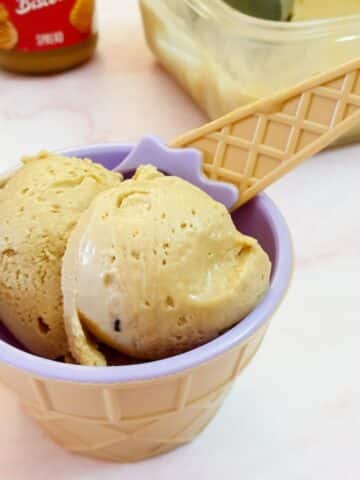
[233,159]
[39,206]
[156,267]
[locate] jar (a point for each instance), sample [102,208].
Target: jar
[225,59]
[46,36]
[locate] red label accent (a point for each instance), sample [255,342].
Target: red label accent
[44,24]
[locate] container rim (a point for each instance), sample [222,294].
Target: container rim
[218,10]
[282,269]
[264,23]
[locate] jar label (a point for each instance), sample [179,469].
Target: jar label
[38,25]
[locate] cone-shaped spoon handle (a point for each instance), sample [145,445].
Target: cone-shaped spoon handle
[255,145]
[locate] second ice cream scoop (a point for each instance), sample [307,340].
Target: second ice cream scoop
[40,204]
[156,267]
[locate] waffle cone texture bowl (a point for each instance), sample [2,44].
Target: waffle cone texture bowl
[132,412]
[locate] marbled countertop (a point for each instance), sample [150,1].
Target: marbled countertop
[294,414]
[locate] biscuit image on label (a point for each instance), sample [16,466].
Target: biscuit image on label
[81,15]
[4,14]
[8,36]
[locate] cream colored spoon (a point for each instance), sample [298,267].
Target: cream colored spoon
[253,146]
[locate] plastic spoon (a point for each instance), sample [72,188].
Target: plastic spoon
[238,155]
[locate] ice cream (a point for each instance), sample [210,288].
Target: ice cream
[310,10]
[156,267]
[39,206]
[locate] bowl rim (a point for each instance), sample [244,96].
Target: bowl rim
[282,270]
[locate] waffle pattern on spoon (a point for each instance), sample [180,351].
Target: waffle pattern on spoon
[255,145]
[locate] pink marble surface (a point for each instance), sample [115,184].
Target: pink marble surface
[294,414]
[120,95]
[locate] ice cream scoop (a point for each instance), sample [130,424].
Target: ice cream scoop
[184,163]
[156,267]
[40,204]
[232,159]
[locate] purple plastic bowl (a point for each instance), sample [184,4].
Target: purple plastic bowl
[259,218]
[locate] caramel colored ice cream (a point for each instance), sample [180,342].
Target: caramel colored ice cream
[310,9]
[39,206]
[156,267]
